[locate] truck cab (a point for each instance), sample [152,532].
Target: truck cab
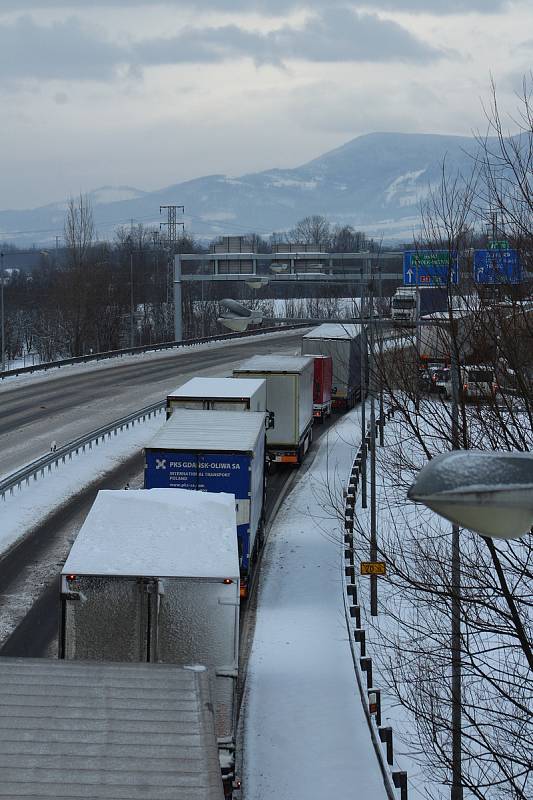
[405,306]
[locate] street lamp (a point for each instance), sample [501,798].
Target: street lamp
[2,345]
[488,492]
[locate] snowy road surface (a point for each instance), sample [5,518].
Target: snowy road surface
[305,732]
[65,403]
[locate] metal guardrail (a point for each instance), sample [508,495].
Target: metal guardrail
[393,776]
[46,462]
[127,351]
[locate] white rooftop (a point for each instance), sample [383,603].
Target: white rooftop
[218,388]
[274,363]
[213,431]
[157,533]
[333,330]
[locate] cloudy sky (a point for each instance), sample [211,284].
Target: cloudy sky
[151,93]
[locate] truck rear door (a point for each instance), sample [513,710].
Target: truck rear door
[198,624]
[108,618]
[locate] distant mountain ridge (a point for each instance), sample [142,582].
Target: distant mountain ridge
[374,182]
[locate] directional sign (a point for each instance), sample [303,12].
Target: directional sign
[373,568]
[430,268]
[496,266]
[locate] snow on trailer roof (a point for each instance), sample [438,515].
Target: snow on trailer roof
[218,387]
[331,330]
[157,533]
[210,431]
[82,729]
[273,363]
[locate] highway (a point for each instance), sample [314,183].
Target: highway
[65,404]
[69,402]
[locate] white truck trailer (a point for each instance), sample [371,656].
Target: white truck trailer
[85,730]
[219,394]
[343,343]
[153,576]
[289,382]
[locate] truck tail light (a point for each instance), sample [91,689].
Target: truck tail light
[227,581]
[71,577]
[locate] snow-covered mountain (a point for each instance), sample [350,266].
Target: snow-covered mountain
[374,182]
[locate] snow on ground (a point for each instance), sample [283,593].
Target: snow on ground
[305,732]
[27,507]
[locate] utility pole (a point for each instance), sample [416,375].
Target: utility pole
[131,300]
[364,357]
[455,640]
[372,390]
[171,225]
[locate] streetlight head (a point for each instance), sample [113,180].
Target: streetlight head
[488,492]
[257,284]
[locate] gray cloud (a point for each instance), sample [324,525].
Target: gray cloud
[70,50]
[61,50]
[339,35]
[271,7]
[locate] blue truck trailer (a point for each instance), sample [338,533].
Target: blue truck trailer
[215,451]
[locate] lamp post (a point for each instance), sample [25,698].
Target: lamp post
[490,493]
[2,311]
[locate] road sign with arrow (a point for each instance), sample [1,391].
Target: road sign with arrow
[430,268]
[496,265]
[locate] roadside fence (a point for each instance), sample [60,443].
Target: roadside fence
[393,776]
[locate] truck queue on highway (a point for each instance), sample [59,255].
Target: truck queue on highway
[157,575]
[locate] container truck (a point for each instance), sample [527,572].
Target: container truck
[343,343]
[153,576]
[86,729]
[405,306]
[220,394]
[215,451]
[289,382]
[322,383]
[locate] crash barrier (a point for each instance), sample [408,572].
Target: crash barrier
[59,455]
[128,351]
[382,736]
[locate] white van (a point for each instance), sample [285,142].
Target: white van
[477,383]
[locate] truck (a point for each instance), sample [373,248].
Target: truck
[88,729]
[215,451]
[153,576]
[289,382]
[220,394]
[343,343]
[405,306]
[322,383]
[435,340]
